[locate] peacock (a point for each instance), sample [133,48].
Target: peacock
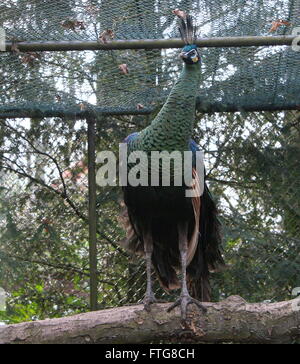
[174,232]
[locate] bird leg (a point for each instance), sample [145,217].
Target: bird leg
[185,299]
[149,296]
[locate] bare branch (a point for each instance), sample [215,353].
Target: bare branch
[232,320]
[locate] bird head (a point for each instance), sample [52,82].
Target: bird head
[189,53]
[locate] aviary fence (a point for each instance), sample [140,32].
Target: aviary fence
[78,76]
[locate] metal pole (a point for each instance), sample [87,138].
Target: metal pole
[204,107]
[60,112]
[150,43]
[92,214]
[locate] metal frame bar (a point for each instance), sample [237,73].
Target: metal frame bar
[55,46]
[203,107]
[13,112]
[92,214]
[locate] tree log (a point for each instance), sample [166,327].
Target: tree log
[232,320]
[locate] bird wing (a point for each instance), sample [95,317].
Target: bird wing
[130,137]
[131,242]
[196,202]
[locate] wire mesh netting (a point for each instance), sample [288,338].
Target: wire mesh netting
[247,78]
[252,158]
[252,161]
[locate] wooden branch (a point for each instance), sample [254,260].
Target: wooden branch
[232,320]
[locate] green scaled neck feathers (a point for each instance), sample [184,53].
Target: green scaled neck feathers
[172,127]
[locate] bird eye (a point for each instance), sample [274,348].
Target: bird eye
[192,53]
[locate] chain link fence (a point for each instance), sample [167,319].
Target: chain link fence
[252,168]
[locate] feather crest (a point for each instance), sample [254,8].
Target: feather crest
[187,30]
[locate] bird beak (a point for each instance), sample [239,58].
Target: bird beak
[184,55]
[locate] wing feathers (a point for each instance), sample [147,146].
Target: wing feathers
[196,202]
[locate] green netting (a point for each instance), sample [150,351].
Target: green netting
[252,162]
[249,78]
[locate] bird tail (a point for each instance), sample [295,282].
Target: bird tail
[208,256]
[199,288]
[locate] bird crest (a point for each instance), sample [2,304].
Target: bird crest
[187,30]
[189,53]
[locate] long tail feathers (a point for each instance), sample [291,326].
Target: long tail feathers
[208,256]
[166,274]
[199,288]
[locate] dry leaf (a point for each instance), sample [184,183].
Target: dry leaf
[80,25]
[82,106]
[277,23]
[81,164]
[106,35]
[67,174]
[140,106]
[92,9]
[46,221]
[68,24]
[30,57]
[73,24]
[124,68]
[180,13]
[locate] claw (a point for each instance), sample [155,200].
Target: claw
[148,301]
[183,301]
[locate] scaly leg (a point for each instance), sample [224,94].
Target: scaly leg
[149,296]
[185,299]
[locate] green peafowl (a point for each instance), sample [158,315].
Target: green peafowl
[174,231]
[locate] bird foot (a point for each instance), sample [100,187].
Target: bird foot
[183,301]
[148,300]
